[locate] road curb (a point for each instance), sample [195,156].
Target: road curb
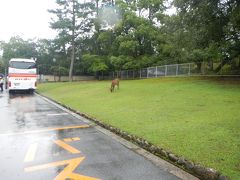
[188,166]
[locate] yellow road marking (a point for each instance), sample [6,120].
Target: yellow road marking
[67,139]
[76,139]
[67,171]
[46,130]
[31,153]
[67,147]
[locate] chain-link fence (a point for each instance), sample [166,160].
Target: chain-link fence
[153,72]
[187,69]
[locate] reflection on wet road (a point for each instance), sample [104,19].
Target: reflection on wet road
[28,112]
[38,140]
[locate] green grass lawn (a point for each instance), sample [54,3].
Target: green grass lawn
[196,118]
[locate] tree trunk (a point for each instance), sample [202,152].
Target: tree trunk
[72,43]
[221,65]
[234,64]
[97,27]
[97,3]
[72,62]
[199,66]
[225,60]
[150,14]
[59,74]
[210,65]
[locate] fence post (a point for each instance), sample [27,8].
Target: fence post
[203,68]
[177,70]
[156,72]
[221,67]
[189,69]
[165,70]
[147,72]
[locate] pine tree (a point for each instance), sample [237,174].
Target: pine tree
[73,20]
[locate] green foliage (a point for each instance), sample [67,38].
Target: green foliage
[59,70]
[72,16]
[105,40]
[46,54]
[98,66]
[18,48]
[154,7]
[2,66]
[112,35]
[128,47]
[147,61]
[73,21]
[212,22]
[95,63]
[134,34]
[118,62]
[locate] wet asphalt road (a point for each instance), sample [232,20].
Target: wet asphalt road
[39,140]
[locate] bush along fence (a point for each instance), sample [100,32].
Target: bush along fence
[186,69]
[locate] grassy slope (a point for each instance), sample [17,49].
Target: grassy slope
[194,118]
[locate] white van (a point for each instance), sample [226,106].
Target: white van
[22,75]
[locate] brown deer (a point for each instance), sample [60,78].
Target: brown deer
[114,83]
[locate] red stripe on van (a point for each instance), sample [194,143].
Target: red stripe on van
[21,75]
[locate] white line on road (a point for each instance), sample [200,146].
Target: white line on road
[31,153]
[58,114]
[47,130]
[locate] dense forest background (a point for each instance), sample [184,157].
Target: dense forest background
[108,35]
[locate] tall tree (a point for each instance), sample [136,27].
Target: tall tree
[46,54]
[212,23]
[73,21]
[152,7]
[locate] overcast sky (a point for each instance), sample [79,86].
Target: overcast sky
[26,18]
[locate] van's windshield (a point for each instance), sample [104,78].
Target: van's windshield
[22,65]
